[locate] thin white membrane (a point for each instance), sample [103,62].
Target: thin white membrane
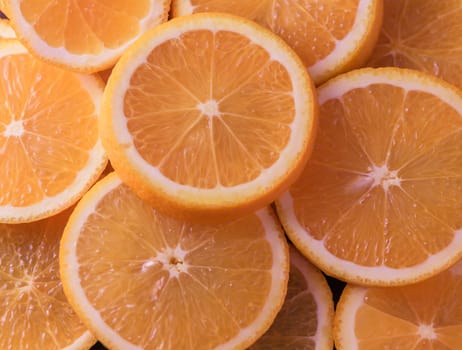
[347,312]
[349,44]
[318,287]
[303,118]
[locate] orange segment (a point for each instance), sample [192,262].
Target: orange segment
[138,278]
[34,312]
[329,36]
[50,148]
[305,320]
[209,114]
[87,35]
[425,315]
[379,201]
[421,34]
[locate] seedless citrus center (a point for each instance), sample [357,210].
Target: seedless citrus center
[209,108]
[384,177]
[427,332]
[15,128]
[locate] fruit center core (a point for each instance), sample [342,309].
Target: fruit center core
[209,108]
[172,260]
[427,332]
[15,128]
[383,176]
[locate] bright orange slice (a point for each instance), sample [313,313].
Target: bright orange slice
[422,316]
[50,152]
[330,36]
[141,280]
[85,35]
[306,318]
[209,116]
[380,201]
[34,313]
[422,34]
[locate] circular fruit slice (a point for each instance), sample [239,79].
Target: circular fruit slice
[34,313]
[209,116]
[424,35]
[380,201]
[425,315]
[85,35]
[306,318]
[140,279]
[330,37]
[50,152]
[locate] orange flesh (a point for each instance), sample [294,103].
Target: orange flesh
[34,311]
[417,136]
[224,275]
[45,114]
[423,35]
[397,318]
[297,322]
[230,105]
[310,27]
[63,23]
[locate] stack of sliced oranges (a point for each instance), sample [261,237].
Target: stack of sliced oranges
[251,150]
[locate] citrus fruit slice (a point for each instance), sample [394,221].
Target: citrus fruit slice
[330,37]
[425,315]
[50,152]
[85,35]
[6,31]
[380,201]
[306,318]
[424,35]
[34,313]
[139,278]
[209,116]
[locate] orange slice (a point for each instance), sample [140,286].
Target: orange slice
[423,316]
[330,37]
[139,278]
[380,201]
[209,116]
[6,31]
[85,35]
[306,318]
[50,152]
[423,35]
[34,313]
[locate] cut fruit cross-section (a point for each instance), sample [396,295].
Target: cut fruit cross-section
[426,315]
[330,36]
[141,280]
[209,116]
[306,318]
[34,313]
[50,151]
[86,35]
[425,35]
[380,201]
